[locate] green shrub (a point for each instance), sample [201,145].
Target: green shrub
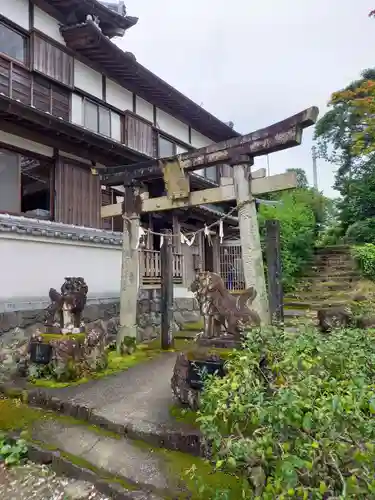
[299,216]
[12,451]
[331,236]
[365,258]
[361,232]
[294,417]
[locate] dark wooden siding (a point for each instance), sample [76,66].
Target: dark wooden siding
[107,199]
[5,70]
[52,61]
[15,81]
[21,84]
[78,195]
[18,83]
[139,135]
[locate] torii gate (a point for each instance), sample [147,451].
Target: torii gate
[238,152]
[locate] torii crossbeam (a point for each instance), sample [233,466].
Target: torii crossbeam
[238,152]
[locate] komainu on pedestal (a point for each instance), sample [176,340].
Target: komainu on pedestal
[226,319]
[66,350]
[224,315]
[64,314]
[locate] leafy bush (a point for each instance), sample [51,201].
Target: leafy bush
[365,258]
[12,451]
[300,214]
[331,236]
[361,232]
[294,417]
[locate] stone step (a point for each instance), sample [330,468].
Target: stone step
[333,250]
[332,285]
[332,275]
[319,296]
[140,468]
[334,263]
[311,304]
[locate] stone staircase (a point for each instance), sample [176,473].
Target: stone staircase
[330,281]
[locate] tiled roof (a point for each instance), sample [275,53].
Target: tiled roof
[47,229]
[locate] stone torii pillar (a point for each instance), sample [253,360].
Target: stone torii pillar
[252,259]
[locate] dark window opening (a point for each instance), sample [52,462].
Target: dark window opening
[36,188]
[12,43]
[25,185]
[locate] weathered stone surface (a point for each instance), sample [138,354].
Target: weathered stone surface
[180,387]
[136,402]
[38,482]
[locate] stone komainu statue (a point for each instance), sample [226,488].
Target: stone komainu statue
[220,309]
[65,310]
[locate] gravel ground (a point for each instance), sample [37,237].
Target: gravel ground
[36,482]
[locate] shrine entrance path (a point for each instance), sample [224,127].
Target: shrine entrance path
[135,402]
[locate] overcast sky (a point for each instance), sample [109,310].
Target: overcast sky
[256,63]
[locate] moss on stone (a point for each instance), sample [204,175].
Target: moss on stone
[196,327]
[203,353]
[179,467]
[17,416]
[116,363]
[185,415]
[49,337]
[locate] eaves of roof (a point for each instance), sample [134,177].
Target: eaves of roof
[88,40]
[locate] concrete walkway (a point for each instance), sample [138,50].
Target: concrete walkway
[138,399]
[116,458]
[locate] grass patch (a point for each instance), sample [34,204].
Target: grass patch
[185,415]
[193,327]
[116,363]
[190,474]
[18,416]
[49,337]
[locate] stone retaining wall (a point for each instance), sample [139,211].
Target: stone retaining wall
[148,316]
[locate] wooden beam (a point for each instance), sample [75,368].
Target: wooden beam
[219,194]
[281,135]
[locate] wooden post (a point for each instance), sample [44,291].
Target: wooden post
[166,256]
[249,234]
[176,230]
[275,284]
[129,267]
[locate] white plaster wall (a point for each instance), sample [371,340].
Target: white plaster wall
[34,265]
[76,109]
[172,126]
[180,149]
[198,140]
[118,97]
[144,109]
[88,79]
[25,144]
[52,260]
[47,25]
[181,292]
[17,11]
[115,126]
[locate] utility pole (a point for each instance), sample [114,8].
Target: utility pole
[315,168]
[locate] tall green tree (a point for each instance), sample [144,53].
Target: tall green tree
[346,138]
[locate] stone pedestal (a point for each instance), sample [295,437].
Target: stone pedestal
[71,355]
[220,342]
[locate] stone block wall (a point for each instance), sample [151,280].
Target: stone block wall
[148,316]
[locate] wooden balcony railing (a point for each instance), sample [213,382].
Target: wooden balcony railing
[150,267]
